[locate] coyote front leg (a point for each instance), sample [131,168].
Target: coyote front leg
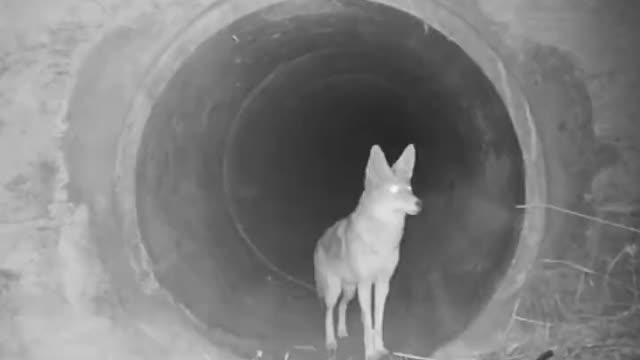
[364,299]
[381,290]
[348,292]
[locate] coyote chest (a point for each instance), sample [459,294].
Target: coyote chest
[357,252]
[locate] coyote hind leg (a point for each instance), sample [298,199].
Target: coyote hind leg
[331,293]
[348,292]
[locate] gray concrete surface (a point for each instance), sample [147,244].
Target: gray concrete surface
[65,287]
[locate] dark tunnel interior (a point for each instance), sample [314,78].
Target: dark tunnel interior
[260,140]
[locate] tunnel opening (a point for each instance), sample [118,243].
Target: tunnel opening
[258,142]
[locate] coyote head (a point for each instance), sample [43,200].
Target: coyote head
[387,189]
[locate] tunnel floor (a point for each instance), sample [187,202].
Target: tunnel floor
[259,143]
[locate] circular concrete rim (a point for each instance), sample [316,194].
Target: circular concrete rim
[434,14]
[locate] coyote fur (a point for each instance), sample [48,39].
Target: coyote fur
[361,251]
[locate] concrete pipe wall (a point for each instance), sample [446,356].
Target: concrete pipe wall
[168,165]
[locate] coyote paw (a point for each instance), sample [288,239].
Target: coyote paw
[378,346]
[379,355]
[331,350]
[332,346]
[342,332]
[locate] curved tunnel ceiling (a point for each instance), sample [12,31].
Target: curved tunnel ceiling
[260,140]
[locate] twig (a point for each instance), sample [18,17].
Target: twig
[513,315]
[576,298]
[588,217]
[590,272]
[569,264]
[629,249]
[531,321]
[628,348]
[514,357]
[630,311]
[634,279]
[411,356]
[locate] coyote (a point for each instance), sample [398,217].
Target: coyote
[362,249]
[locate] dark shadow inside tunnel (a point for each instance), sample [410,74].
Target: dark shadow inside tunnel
[259,143]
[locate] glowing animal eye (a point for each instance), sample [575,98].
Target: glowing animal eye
[394,188]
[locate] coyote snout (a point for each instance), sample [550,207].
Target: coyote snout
[402,199]
[361,251]
[417,207]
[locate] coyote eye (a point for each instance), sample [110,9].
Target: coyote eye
[394,188]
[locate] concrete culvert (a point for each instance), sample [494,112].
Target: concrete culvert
[248,136]
[259,140]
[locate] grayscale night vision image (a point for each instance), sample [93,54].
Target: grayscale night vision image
[319,180]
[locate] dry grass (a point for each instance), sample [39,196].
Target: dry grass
[579,310]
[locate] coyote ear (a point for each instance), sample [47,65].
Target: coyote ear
[377,167]
[403,167]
